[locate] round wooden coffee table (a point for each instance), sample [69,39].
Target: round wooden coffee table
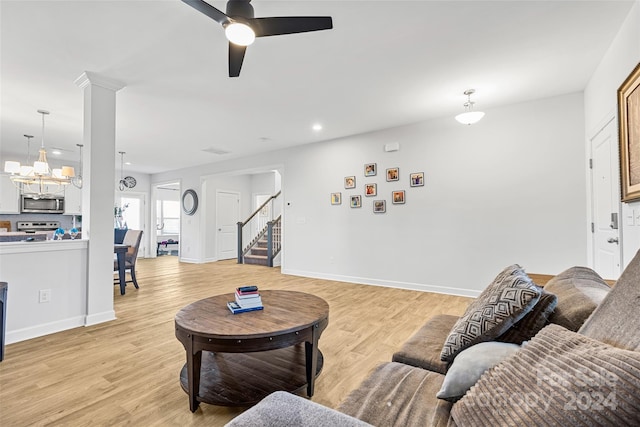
[238,359]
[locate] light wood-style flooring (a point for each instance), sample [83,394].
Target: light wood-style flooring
[126,372]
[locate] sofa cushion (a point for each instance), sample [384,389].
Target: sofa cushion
[424,347]
[506,300]
[395,394]
[579,291]
[282,409]
[536,319]
[470,364]
[616,321]
[559,378]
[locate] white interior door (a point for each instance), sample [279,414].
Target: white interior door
[227,217]
[605,190]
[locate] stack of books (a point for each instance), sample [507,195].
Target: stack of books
[247,299]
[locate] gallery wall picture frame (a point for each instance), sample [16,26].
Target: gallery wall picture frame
[629,135]
[371,190]
[416,179]
[393,174]
[370,169]
[397,197]
[356,201]
[336,198]
[349,182]
[379,206]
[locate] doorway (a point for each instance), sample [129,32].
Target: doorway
[167,215]
[133,214]
[605,197]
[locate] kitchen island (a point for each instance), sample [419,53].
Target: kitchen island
[47,286]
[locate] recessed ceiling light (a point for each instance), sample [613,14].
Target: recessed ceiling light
[56,152]
[127,163]
[317,127]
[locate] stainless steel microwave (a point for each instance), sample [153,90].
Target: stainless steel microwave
[41,204]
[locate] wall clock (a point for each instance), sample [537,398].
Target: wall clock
[189,202]
[129,181]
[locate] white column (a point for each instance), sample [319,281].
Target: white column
[98,191]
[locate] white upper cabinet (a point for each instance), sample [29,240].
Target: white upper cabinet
[9,196]
[72,200]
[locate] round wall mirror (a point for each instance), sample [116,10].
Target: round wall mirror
[189,202]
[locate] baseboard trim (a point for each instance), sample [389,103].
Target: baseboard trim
[386,283]
[43,329]
[94,319]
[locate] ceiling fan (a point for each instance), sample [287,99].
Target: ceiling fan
[241,28]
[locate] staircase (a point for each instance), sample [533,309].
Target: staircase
[259,252]
[264,246]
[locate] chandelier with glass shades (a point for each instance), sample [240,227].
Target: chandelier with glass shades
[39,177]
[469,116]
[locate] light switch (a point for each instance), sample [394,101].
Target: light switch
[631,217]
[636,216]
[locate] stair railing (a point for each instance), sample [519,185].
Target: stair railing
[274,239]
[246,228]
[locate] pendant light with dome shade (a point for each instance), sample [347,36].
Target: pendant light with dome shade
[40,178]
[469,116]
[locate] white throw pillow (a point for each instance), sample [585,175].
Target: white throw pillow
[470,364]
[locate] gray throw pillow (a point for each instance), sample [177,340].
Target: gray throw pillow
[505,301]
[579,290]
[470,364]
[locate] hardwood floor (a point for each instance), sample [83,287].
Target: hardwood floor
[126,372]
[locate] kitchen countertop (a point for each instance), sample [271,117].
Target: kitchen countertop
[41,246]
[16,236]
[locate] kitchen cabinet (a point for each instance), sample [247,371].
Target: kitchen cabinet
[72,200]
[9,196]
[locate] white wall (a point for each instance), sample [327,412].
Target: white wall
[509,189]
[600,97]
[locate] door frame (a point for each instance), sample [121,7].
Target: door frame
[591,255]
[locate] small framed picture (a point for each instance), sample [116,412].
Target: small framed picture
[379,206]
[417,179]
[336,198]
[356,201]
[349,182]
[370,169]
[397,197]
[393,174]
[370,190]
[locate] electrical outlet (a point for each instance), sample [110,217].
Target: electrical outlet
[44,295]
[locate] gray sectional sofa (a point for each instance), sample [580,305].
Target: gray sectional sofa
[567,354]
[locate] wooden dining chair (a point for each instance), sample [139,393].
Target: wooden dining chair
[132,239]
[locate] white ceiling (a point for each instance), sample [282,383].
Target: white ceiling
[384,64]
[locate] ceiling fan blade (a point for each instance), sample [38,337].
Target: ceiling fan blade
[236,56]
[210,11]
[276,26]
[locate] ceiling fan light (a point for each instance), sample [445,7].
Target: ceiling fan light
[469,117]
[240,34]
[11,167]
